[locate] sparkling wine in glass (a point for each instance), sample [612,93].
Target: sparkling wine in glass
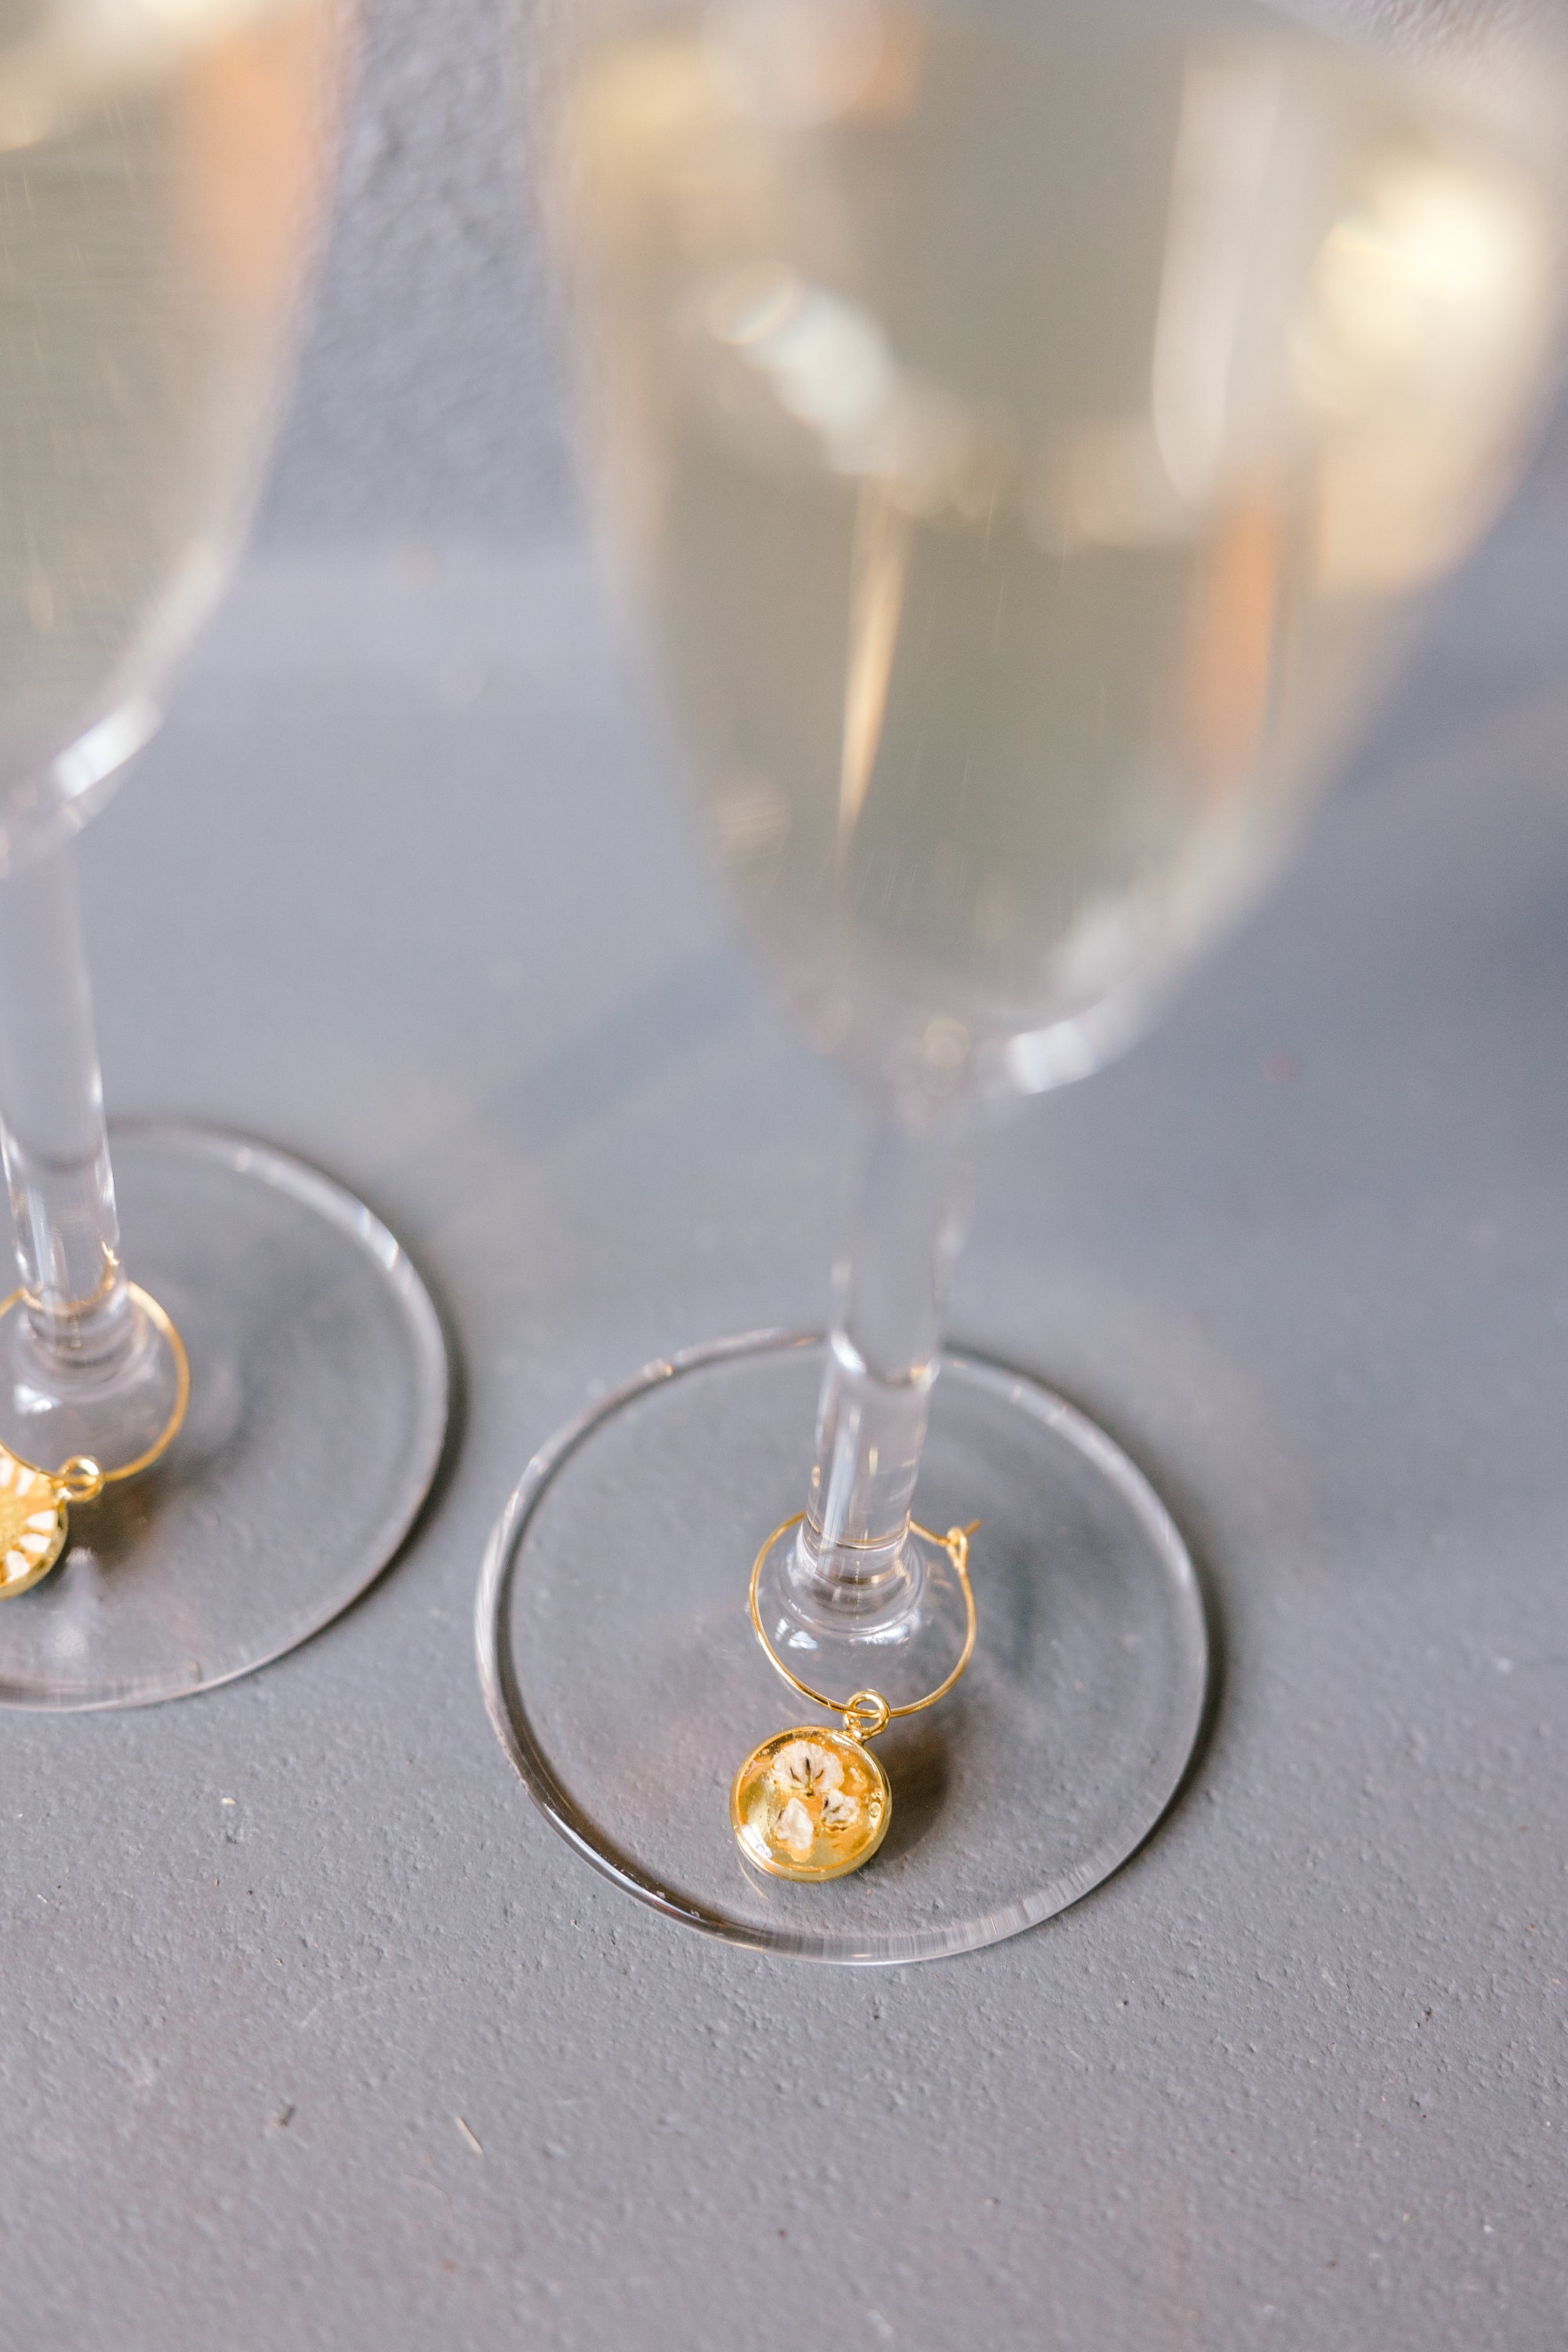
[256,1376]
[1023,436]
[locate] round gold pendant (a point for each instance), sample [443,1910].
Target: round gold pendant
[810,1803]
[32,1524]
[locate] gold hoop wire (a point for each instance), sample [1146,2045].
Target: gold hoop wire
[955,1543]
[163,1323]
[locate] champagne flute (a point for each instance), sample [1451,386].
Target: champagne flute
[164,166]
[1025,434]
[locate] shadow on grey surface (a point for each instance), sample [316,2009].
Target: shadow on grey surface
[115,1525]
[594,1073]
[916,1757]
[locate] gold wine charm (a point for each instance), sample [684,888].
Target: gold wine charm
[34,1518]
[34,1521]
[814,1803]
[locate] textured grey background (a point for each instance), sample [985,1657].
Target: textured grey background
[400,886]
[426,407]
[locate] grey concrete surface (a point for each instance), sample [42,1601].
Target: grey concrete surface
[426,407]
[366,2058]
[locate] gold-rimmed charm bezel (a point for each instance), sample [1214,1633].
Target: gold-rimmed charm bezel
[811,1804]
[34,1524]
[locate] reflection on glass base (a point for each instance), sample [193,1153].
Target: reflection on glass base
[317,1413]
[624,1681]
[120,1419]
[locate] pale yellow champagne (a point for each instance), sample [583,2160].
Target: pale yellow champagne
[161,170]
[1021,449]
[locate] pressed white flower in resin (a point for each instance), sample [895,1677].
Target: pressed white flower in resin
[839,1813]
[794,1827]
[806,1769]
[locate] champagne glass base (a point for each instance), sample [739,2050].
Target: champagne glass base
[624,1680]
[317,1414]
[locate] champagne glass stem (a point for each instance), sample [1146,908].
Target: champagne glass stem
[56,1149]
[890,1293]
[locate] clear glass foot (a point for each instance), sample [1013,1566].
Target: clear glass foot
[317,1413]
[626,1684]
